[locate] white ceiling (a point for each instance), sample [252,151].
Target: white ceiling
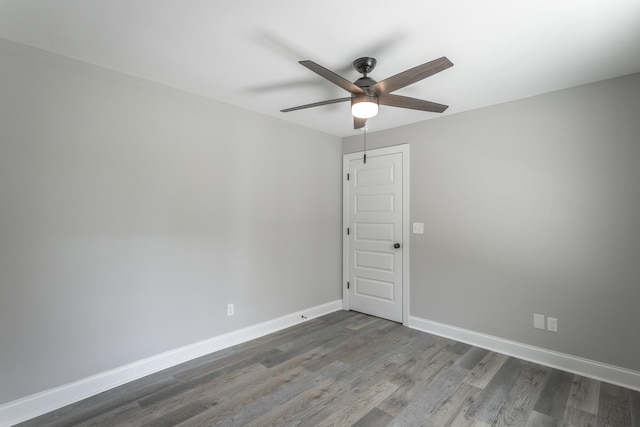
[245,52]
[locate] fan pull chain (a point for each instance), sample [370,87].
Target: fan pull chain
[365,145]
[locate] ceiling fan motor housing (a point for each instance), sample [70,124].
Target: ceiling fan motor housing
[365,83]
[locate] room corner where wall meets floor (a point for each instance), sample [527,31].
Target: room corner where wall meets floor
[44,402]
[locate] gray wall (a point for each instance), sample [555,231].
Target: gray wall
[131,214]
[530,207]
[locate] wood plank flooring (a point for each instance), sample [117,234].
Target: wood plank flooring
[346,369]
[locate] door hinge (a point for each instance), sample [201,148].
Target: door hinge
[347,230]
[347,285]
[347,177]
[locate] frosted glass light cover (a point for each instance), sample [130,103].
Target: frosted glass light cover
[364,110]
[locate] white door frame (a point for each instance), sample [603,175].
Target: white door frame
[404,150]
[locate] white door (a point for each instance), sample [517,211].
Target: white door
[375,240]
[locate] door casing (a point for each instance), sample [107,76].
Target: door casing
[404,150]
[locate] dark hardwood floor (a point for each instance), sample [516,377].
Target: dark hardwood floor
[348,368]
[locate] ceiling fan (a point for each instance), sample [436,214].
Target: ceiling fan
[367,94]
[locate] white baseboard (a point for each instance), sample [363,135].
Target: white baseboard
[566,362]
[40,403]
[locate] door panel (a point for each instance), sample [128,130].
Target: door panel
[375,176]
[375,232]
[374,203]
[375,261]
[374,213]
[377,289]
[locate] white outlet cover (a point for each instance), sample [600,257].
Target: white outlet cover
[418,228]
[538,321]
[552,324]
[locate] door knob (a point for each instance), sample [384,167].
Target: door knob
[396,245]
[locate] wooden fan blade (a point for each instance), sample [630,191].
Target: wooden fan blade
[359,123]
[411,75]
[411,103]
[316,104]
[332,77]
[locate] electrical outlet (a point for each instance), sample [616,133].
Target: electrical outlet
[552,324]
[538,321]
[230,310]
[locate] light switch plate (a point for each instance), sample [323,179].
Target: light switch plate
[418,228]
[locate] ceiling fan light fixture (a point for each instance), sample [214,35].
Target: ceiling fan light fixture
[367,94]
[364,106]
